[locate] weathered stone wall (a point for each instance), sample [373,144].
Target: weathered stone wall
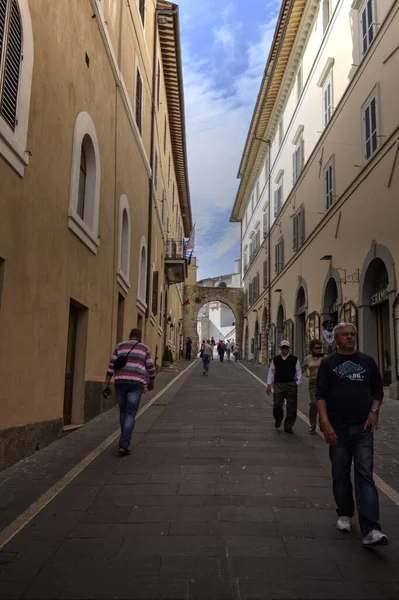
[199,296]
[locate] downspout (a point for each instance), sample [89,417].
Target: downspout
[151,179]
[269,244]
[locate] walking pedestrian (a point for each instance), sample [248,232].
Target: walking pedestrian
[228,349]
[349,392]
[133,368]
[236,351]
[221,350]
[207,352]
[284,375]
[311,365]
[189,345]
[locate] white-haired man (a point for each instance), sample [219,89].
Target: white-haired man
[349,392]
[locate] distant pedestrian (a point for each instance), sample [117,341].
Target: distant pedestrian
[236,351]
[310,366]
[132,366]
[228,349]
[349,392]
[284,375]
[213,344]
[221,350]
[207,352]
[189,345]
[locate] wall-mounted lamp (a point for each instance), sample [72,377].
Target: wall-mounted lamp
[326,257]
[278,290]
[352,278]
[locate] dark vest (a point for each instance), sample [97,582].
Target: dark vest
[285,369]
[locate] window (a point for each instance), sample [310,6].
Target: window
[156,170]
[298,161]
[327,100]
[160,308]
[299,82]
[370,126]
[165,132]
[279,255]
[16,66]
[123,272]
[280,132]
[142,11]
[251,293]
[173,197]
[299,228]
[142,283]
[329,184]
[266,222]
[326,14]
[265,273]
[139,101]
[10,60]
[312,327]
[257,192]
[366,18]
[84,198]
[348,313]
[163,207]
[155,285]
[278,198]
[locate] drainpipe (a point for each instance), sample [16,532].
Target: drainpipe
[269,322]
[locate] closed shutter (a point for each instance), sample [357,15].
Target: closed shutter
[10,60]
[302,226]
[251,301]
[276,203]
[265,273]
[265,224]
[155,282]
[246,301]
[142,10]
[295,237]
[139,101]
[276,257]
[281,254]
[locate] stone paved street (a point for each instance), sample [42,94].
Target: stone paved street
[213,503]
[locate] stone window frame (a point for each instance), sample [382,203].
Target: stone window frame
[142,275]
[123,274]
[85,229]
[13,143]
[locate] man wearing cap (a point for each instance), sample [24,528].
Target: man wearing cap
[284,375]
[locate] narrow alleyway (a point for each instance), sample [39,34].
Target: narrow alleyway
[213,503]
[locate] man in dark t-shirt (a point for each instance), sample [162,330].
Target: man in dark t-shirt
[349,393]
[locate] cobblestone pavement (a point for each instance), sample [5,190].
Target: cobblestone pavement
[213,503]
[386,463]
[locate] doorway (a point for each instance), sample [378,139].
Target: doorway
[120,319]
[256,342]
[74,388]
[384,342]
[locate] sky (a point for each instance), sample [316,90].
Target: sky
[225,45]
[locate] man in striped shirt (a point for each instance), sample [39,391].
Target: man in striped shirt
[130,380]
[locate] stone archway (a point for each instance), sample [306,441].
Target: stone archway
[196,296]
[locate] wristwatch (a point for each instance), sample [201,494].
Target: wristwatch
[375,410]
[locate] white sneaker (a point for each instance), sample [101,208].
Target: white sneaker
[344,524]
[375,538]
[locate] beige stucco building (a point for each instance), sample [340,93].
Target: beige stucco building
[94,200]
[320,181]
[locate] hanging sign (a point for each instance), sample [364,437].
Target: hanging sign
[379,297]
[328,331]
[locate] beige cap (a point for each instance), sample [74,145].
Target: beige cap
[285,343]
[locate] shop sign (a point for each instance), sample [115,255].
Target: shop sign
[379,297]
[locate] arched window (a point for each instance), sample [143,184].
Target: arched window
[84,199]
[16,42]
[312,328]
[348,313]
[123,272]
[142,282]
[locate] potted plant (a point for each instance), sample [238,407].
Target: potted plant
[167,359]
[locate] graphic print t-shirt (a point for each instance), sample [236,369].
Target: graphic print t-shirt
[348,384]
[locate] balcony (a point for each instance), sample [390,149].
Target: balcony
[176,260]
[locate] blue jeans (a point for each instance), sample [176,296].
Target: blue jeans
[354,443]
[129,396]
[205,362]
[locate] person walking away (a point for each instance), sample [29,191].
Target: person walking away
[221,350]
[285,374]
[310,366]
[236,351]
[189,345]
[213,344]
[133,368]
[207,352]
[349,393]
[228,349]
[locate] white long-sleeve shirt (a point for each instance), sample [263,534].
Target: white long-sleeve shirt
[272,371]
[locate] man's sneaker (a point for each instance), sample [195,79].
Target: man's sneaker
[277,423]
[124,451]
[344,524]
[312,430]
[375,538]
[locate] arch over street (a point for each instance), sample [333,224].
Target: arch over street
[196,296]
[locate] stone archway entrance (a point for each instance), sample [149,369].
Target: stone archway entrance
[196,296]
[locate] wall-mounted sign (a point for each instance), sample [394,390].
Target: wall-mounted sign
[379,297]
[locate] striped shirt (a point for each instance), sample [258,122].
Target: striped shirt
[139,366]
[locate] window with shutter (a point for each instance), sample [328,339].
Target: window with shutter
[250,294]
[295,241]
[327,100]
[155,282]
[10,60]
[265,223]
[165,135]
[276,257]
[302,233]
[139,101]
[156,170]
[265,273]
[370,126]
[297,161]
[366,16]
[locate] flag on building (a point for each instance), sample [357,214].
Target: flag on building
[186,302]
[191,240]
